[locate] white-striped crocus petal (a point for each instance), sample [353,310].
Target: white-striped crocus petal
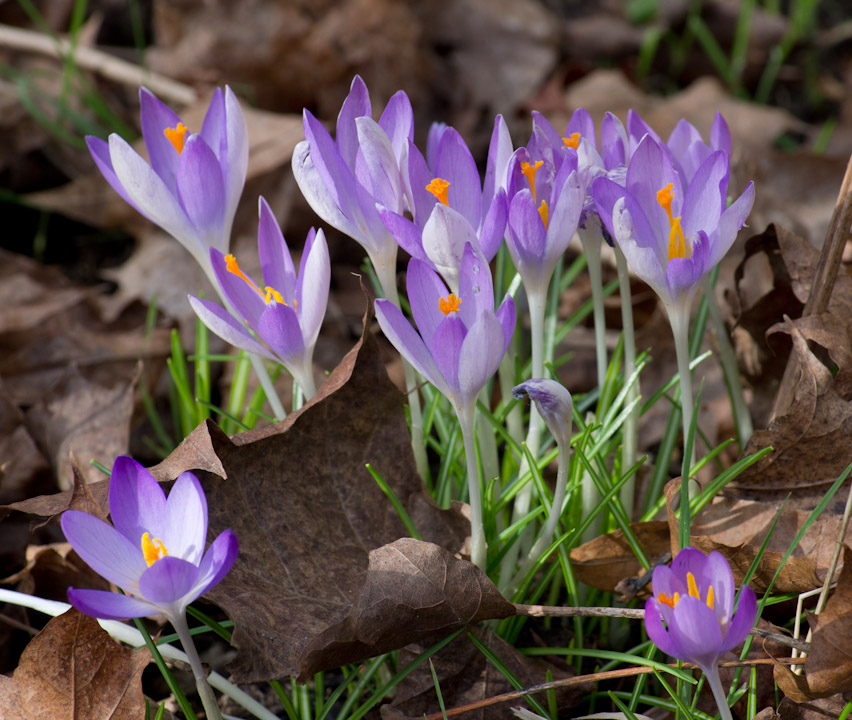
[312,286]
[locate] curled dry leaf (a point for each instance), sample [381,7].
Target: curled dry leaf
[829,667]
[73,668]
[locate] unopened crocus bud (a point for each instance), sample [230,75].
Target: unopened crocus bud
[554,404]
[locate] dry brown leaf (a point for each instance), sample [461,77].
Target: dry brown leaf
[819,709]
[73,668]
[829,667]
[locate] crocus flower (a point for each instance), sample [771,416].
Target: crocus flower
[193,183]
[691,615]
[448,209]
[554,404]
[285,312]
[458,345]
[672,237]
[344,180]
[154,551]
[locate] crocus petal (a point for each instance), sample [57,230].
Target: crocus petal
[235,162]
[99,150]
[683,274]
[627,218]
[481,353]
[729,225]
[168,580]
[156,116]
[637,128]
[527,238]
[201,190]
[649,171]
[322,201]
[494,225]
[221,322]
[381,162]
[275,261]
[408,343]
[217,562]
[152,196]
[614,143]
[406,234]
[717,572]
[185,527]
[657,631]
[455,164]
[564,217]
[397,121]
[475,287]
[137,503]
[104,549]
[433,142]
[689,560]
[110,605]
[444,236]
[447,348]
[695,632]
[279,327]
[312,287]
[743,620]
[507,317]
[720,134]
[213,127]
[425,288]
[554,404]
[581,122]
[417,178]
[701,206]
[356,104]
[499,152]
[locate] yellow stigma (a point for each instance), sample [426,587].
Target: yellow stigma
[273,294]
[438,188]
[542,211]
[449,304]
[572,141]
[692,586]
[176,136]
[529,171]
[232,267]
[710,597]
[679,246]
[153,550]
[668,600]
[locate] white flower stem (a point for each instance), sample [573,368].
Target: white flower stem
[386,272]
[205,692]
[478,548]
[537,303]
[630,429]
[719,694]
[742,416]
[590,237]
[679,319]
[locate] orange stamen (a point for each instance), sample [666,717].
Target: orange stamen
[528,171]
[678,245]
[543,213]
[692,585]
[438,188]
[176,136]
[572,141]
[232,267]
[153,550]
[449,304]
[273,294]
[710,597]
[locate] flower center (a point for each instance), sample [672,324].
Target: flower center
[692,588]
[176,136]
[438,187]
[449,304]
[270,293]
[153,550]
[679,246]
[528,170]
[572,141]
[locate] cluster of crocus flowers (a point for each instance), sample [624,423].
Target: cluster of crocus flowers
[691,615]
[154,552]
[193,183]
[285,312]
[458,345]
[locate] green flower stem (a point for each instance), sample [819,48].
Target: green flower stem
[630,429]
[205,692]
[719,694]
[386,272]
[537,304]
[742,416]
[679,319]
[590,237]
[478,548]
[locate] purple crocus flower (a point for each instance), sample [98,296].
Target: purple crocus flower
[460,339]
[286,312]
[344,180]
[193,183]
[154,551]
[691,615]
[671,237]
[448,205]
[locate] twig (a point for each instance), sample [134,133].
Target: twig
[637,614]
[823,281]
[594,677]
[99,62]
